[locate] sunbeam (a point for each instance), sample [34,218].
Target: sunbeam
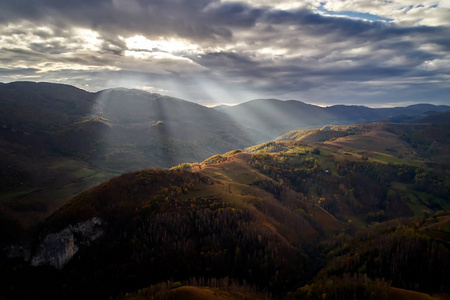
[146,130]
[218,149]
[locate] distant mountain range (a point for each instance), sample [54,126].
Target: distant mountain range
[265,119]
[127,129]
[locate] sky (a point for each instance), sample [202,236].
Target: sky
[378,53]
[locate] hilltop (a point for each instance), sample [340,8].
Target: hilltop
[287,217]
[58,140]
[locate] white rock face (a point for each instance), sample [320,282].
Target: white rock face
[58,248]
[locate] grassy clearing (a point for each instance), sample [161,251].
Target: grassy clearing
[419,202]
[236,169]
[83,172]
[392,159]
[226,192]
[385,158]
[327,222]
[378,144]
[417,208]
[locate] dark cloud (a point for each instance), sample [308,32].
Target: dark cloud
[234,14]
[343,28]
[23,71]
[50,48]
[156,17]
[231,60]
[236,50]
[319,24]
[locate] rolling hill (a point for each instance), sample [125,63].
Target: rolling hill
[58,140]
[266,119]
[281,219]
[290,218]
[385,142]
[150,130]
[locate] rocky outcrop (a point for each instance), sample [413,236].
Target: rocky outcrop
[57,249]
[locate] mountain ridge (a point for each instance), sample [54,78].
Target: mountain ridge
[285,216]
[59,140]
[61,85]
[267,119]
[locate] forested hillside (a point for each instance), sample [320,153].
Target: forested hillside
[284,219]
[58,140]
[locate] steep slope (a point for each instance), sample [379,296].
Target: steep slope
[381,175]
[278,215]
[36,177]
[150,130]
[59,119]
[42,107]
[400,251]
[265,119]
[183,225]
[57,140]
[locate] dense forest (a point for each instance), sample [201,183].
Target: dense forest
[280,220]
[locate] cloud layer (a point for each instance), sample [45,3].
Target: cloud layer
[210,51]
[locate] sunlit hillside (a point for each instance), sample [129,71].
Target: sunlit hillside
[290,219]
[58,140]
[225,150]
